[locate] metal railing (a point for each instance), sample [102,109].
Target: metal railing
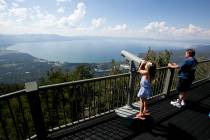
[37,113]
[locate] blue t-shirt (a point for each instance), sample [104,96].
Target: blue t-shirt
[187,69]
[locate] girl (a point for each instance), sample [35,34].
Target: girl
[147,70]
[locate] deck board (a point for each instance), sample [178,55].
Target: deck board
[167,122]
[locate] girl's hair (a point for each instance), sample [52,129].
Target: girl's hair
[151,67]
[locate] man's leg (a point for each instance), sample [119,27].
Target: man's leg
[179,100]
[182,98]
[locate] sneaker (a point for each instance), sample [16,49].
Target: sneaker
[174,102]
[178,105]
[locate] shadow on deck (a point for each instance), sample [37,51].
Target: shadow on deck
[167,122]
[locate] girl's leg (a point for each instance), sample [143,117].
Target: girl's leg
[141,107]
[146,111]
[140,114]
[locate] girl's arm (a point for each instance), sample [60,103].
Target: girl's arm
[141,68]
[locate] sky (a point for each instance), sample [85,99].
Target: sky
[156,19]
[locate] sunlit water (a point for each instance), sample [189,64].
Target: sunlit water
[91,50]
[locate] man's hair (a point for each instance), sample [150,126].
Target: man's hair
[191,52]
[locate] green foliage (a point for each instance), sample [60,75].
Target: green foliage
[160,58]
[201,58]
[115,68]
[151,55]
[59,76]
[7,88]
[65,104]
[163,58]
[82,72]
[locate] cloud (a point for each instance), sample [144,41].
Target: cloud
[191,30]
[62,1]
[15,4]
[76,17]
[98,23]
[19,13]
[5,24]
[47,21]
[3,5]
[78,13]
[156,27]
[17,19]
[42,20]
[60,10]
[159,29]
[19,0]
[122,27]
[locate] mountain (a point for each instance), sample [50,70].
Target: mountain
[16,67]
[6,40]
[202,52]
[202,48]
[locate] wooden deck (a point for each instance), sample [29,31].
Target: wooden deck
[166,121]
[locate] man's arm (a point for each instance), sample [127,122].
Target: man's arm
[173,65]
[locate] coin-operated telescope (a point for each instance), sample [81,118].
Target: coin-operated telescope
[133,60]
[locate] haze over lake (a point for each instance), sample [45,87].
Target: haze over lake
[92,50]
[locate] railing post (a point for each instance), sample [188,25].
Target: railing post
[209,76]
[36,110]
[209,72]
[131,83]
[168,81]
[3,125]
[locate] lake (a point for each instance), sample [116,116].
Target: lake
[92,50]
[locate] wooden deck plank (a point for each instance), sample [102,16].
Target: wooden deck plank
[167,122]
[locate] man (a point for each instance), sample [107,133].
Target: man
[186,76]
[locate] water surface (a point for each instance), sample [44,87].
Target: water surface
[91,50]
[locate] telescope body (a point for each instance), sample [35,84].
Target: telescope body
[131,58]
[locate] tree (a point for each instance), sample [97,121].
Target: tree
[161,59]
[150,55]
[55,76]
[82,72]
[59,76]
[7,88]
[115,68]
